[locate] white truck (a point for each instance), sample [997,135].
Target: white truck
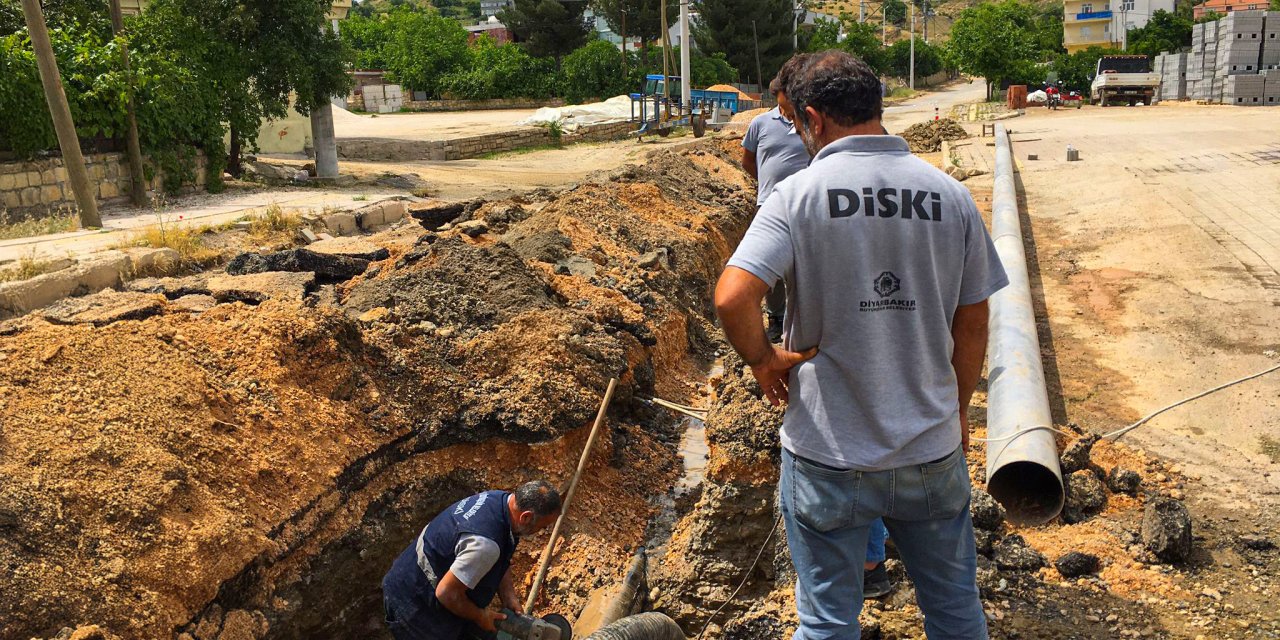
[1124,80]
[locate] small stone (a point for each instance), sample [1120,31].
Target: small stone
[1076,456]
[987,513]
[984,541]
[1166,529]
[1014,554]
[654,259]
[375,314]
[473,228]
[576,265]
[1076,564]
[1123,481]
[1256,543]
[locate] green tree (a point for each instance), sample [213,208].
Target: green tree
[1076,70]
[367,36]
[422,47]
[863,40]
[643,17]
[824,35]
[548,28]
[992,40]
[1163,32]
[898,59]
[895,11]
[595,72]
[500,71]
[725,27]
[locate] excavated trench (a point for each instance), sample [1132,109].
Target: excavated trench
[250,471]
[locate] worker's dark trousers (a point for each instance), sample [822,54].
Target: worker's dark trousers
[829,513]
[414,614]
[776,302]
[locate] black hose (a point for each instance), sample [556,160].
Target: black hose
[645,626]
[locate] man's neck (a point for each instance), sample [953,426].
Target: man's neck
[836,132]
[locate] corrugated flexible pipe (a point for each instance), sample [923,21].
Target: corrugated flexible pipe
[645,626]
[1023,471]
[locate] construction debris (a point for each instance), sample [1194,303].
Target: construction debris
[927,137]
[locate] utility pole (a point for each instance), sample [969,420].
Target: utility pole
[924,6]
[759,76]
[138,192]
[913,47]
[862,11]
[884,26]
[624,40]
[686,79]
[795,26]
[666,49]
[56,97]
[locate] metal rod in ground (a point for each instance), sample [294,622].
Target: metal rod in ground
[65,127]
[1023,472]
[137,178]
[568,497]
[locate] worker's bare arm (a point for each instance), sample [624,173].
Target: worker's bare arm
[969,331]
[738,297]
[452,593]
[749,163]
[507,592]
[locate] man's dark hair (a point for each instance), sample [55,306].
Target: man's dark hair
[838,85]
[539,497]
[788,69]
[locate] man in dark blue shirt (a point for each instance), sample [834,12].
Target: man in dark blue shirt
[442,584]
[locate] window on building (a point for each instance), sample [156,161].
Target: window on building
[1086,32]
[1086,7]
[1127,5]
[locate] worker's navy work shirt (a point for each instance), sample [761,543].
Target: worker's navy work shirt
[878,248]
[779,150]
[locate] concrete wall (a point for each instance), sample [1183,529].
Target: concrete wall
[475,146]
[41,186]
[481,105]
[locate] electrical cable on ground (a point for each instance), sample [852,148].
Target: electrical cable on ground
[745,577]
[1120,432]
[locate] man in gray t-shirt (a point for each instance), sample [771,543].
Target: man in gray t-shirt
[888,268]
[772,151]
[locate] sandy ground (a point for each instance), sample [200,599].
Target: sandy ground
[427,126]
[1158,258]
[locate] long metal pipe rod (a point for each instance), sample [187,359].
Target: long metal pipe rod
[1023,472]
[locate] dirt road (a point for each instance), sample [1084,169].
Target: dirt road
[1159,255]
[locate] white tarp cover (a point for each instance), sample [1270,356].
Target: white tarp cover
[616,109]
[1037,96]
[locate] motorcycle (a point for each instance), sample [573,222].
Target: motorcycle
[1055,97]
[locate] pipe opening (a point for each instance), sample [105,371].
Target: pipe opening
[1029,492]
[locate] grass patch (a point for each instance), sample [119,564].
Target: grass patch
[28,267]
[359,198]
[274,220]
[519,152]
[901,92]
[1270,448]
[189,242]
[62,222]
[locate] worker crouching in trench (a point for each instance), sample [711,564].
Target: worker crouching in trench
[442,584]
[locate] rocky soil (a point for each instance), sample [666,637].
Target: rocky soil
[242,454]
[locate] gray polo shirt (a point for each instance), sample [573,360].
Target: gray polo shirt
[877,248]
[779,150]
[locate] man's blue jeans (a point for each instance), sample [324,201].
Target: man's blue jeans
[828,514]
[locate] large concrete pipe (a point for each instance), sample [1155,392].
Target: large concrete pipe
[1023,473]
[645,626]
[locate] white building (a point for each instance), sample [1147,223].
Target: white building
[1105,23]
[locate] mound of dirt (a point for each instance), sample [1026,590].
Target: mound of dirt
[247,470]
[927,137]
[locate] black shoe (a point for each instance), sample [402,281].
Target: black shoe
[774,331]
[876,583]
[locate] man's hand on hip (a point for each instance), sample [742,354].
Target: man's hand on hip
[774,372]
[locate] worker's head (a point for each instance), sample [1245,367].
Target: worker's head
[834,95]
[779,85]
[537,505]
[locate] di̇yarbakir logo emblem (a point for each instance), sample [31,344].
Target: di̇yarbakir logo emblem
[887,284]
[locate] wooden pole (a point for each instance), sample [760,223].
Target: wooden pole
[68,141]
[568,497]
[138,193]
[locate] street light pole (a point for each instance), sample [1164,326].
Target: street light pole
[686,80]
[65,127]
[912,73]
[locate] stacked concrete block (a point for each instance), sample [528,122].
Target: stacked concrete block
[1172,68]
[1244,90]
[383,98]
[1240,37]
[1271,88]
[1271,41]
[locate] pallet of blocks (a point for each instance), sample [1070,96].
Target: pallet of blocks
[1245,90]
[1240,37]
[1271,41]
[1271,88]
